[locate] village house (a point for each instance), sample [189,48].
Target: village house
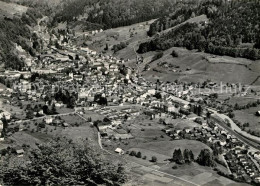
[119,151]
[19,151]
[48,119]
[5,114]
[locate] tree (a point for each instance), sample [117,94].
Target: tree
[154,159]
[199,110]
[231,114]
[29,114]
[214,96]
[174,54]
[139,155]
[132,153]
[106,120]
[158,95]
[100,100]
[62,162]
[177,156]
[188,156]
[253,54]
[71,102]
[191,155]
[53,109]
[28,107]
[205,158]
[42,125]
[21,76]
[5,127]
[236,107]
[257,43]
[106,48]
[45,109]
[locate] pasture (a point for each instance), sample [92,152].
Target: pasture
[11,9]
[199,175]
[226,69]
[166,148]
[248,115]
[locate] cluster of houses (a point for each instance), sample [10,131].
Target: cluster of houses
[50,120]
[116,117]
[86,73]
[242,165]
[236,154]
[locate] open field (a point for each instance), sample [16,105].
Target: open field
[241,101]
[80,133]
[182,123]
[93,115]
[167,147]
[200,175]
[73,119]
[148,175]
[33,134]
[29,138]
[201,69]
[64,110]
[161,159]
[143,171]
[228,60]
[18,112]
[143,131]
[133,35]
[248,115]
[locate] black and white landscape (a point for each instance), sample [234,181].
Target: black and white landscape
[130,92]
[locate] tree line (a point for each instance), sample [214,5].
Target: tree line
[230,25]
[114,13]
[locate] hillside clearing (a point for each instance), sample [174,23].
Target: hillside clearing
[237,70]
[11,9]
[167,148]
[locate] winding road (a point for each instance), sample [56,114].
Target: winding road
[137,164]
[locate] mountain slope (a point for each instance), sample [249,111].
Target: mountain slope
[115,13]
[233,29]
[16,29]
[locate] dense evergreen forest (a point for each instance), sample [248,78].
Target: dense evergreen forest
[233,29]
[115,13]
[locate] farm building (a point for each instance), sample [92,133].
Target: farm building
[119,151]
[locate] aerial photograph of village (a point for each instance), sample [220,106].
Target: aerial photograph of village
[130,92]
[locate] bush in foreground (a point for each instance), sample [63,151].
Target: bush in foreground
[62,162]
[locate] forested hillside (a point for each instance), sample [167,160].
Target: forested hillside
[17,19]
[233,29]
[92,14]
[15,30]
[115,13]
